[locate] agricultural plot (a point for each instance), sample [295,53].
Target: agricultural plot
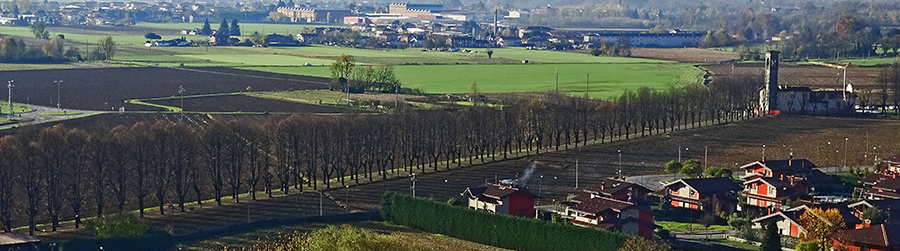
[813,76]
[246,240]
[685,55]
[807,137]
[107,89]
[243,103]
[605,80]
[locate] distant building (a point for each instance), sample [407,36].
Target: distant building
[173,42]
[420,11]
[310,15]
[281,40]
[640,39]
[894,164]
[775,99]
[501,199]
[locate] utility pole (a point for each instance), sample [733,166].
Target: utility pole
[764,153]
[11,111]
[846,140]
[705,156]
[181,91]
[320,203]
[679,154]
[557,80]
[576,173]
[586,82]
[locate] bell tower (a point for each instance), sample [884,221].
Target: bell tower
[769,94]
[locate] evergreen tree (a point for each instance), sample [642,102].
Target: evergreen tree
[206,30]
[235,28]
[223,28]
[771,239]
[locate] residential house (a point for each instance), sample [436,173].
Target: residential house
[618,189]
[879,237]
[173,42]
[797,168]
[467,42]
[222,39]
[593,210]
[890,206]
[501,199]
[720,193]
[308,38]
[788,220]
[882,186]
[773,192]
[281,40]
[509,41]
[893,164]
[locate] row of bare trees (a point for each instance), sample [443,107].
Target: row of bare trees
[57,173]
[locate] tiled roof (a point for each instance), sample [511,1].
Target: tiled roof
[610,186]
[497,191]
[887,235]
[789,165]
[890,182]
[16,238]
[712,185]
[597,205]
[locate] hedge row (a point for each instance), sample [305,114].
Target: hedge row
[149,242]
[495,230]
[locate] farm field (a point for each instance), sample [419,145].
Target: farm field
[106,89]
[813,76]
[246,28]
[606,80]
[807,137]
[685,55]
[246,240]
[243,103]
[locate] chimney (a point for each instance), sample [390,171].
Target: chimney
[791,178]
[603,186]
[868,222]
[782,177]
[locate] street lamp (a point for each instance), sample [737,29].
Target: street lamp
[846,140]
[413,179]
[619,170]
[58,82]
[557,80]
[541,186]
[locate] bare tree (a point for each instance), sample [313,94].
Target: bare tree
[11,156]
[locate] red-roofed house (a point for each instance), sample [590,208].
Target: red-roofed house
[700,193]
[618,189]
[788,222]
[593,210]
[882,186]
[772,192]
[884,237]
[501,199]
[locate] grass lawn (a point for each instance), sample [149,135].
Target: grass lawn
[735,244]
[685,227]
[4,108]
[606,80]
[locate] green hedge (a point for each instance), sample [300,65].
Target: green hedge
[149,242]
[495,230]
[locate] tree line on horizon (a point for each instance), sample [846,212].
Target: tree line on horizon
[55,173]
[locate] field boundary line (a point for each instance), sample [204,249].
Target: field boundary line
[251,76]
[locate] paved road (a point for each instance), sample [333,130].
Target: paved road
[38,115]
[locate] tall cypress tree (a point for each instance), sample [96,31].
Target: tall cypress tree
[223,28]
[771,239]
[235,28]
[206,30]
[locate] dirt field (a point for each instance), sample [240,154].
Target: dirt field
[685,55]
[106,89]
[729,145]
[806,75]
[242,103]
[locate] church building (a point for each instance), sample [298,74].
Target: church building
[775,99]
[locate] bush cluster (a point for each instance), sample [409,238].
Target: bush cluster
[495,230]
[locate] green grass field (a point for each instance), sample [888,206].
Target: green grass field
[606,80]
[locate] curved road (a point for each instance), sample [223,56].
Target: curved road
[38,116]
